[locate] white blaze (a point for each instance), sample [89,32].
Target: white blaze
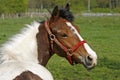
[87,47]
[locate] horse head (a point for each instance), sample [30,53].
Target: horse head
[65,38]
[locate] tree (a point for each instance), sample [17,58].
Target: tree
[103,3]
[13,6]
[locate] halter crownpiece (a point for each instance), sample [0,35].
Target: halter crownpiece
[69,51]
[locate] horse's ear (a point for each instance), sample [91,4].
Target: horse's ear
[67,7]
[55,12]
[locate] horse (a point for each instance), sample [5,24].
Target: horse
[26,54]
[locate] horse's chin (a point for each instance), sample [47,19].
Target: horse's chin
[88,66]
[76,60]
[75,63]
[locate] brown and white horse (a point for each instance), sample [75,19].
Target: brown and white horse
[25,54]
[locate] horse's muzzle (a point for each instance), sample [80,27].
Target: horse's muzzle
[89,62]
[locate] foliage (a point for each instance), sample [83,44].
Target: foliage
[17,6]
[95,5]
[103,3]
[101,10]
[116,10]
[13,6]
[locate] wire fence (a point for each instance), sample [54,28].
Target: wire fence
[46,14]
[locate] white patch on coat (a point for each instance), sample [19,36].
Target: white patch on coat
[87,47]
[23,46]
[10,70]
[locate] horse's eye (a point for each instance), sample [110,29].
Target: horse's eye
[64,35]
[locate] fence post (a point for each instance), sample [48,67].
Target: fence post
[3,16]
[110,5]
[89,6]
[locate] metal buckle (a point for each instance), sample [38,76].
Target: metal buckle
[69,52]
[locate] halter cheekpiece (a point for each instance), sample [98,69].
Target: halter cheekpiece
[69,51]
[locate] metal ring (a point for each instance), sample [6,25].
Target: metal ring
[52,36]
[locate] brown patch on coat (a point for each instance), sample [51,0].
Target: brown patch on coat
[44,52]
[27,75]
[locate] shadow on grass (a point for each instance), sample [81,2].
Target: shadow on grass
[109,63]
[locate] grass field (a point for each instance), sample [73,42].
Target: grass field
[102,33]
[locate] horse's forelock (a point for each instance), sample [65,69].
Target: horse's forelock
[66,14]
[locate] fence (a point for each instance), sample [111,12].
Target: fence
[27,14]
[46,14]
[100,14]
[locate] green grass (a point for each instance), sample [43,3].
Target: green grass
[102,34]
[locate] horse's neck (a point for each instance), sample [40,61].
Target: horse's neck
[44,52]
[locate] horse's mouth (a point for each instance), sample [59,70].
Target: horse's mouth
[88,65]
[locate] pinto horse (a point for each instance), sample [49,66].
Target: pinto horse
[25,54]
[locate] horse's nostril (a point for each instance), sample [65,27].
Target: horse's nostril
[89,58]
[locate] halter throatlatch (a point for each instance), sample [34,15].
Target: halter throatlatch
[69,51]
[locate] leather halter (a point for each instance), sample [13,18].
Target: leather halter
[69,51]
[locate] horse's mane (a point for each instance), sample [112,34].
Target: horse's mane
[66,14]
[21,44]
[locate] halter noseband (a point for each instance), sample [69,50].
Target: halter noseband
[69,51]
